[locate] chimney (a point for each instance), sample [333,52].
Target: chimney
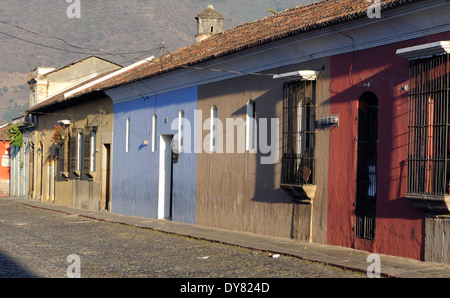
[209,22]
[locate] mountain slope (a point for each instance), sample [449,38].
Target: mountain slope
[125,27]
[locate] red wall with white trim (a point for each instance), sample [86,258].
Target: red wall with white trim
[399,225]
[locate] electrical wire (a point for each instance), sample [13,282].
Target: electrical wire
[42,45]
[102,52]
[98,51]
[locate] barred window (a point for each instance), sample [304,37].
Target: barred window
[79,151]
[299,114]
[428,154]
[366,170]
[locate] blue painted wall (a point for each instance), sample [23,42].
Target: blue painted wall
[136,173]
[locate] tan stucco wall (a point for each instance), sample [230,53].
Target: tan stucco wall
[234,190]
[75,192]
[79,72]
[320,202]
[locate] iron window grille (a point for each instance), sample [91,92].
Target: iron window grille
[366,194]
[428,128]
[299,114]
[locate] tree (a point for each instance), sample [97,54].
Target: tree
[15,136]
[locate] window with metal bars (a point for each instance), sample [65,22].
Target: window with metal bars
[299,115]
[428,128]
[366,172]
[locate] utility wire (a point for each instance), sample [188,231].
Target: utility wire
[92,51]
[101,52]
[42,45]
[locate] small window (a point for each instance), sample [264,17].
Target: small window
[154,133]
[79,151]
[92,151]
[366,168]
[250,127]
[127,136]
[213,134]
[181,131]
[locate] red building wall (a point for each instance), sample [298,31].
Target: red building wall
[4,167]
[399,226]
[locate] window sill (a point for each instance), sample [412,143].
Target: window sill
[300,193]
[435,204]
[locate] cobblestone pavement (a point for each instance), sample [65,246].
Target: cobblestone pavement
[37,243]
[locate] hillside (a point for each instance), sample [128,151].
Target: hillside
[130,29]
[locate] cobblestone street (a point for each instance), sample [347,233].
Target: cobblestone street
[37,243]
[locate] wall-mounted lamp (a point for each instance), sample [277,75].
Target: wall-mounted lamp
[305,75]
[145,143]
[63,122]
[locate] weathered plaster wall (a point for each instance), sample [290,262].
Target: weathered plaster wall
[136,173]
[399,226]
[236,190]
[80,192]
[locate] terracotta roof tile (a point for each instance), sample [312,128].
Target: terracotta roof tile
[287,23]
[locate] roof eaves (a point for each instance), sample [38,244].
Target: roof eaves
[356,12]
[60,98]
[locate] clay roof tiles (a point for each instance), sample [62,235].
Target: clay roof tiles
[287,23]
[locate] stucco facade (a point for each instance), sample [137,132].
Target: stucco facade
[58,178]
[400,228]
[140,125]
[336,96]
[240,189]
[5,166]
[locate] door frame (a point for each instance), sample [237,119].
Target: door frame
[165,198]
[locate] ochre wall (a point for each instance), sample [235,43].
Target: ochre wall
[80,193]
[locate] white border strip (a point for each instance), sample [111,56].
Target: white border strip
[116,73]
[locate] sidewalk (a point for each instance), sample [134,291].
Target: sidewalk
[345,258]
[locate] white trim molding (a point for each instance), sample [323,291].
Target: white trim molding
[425,50]
[304,75]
